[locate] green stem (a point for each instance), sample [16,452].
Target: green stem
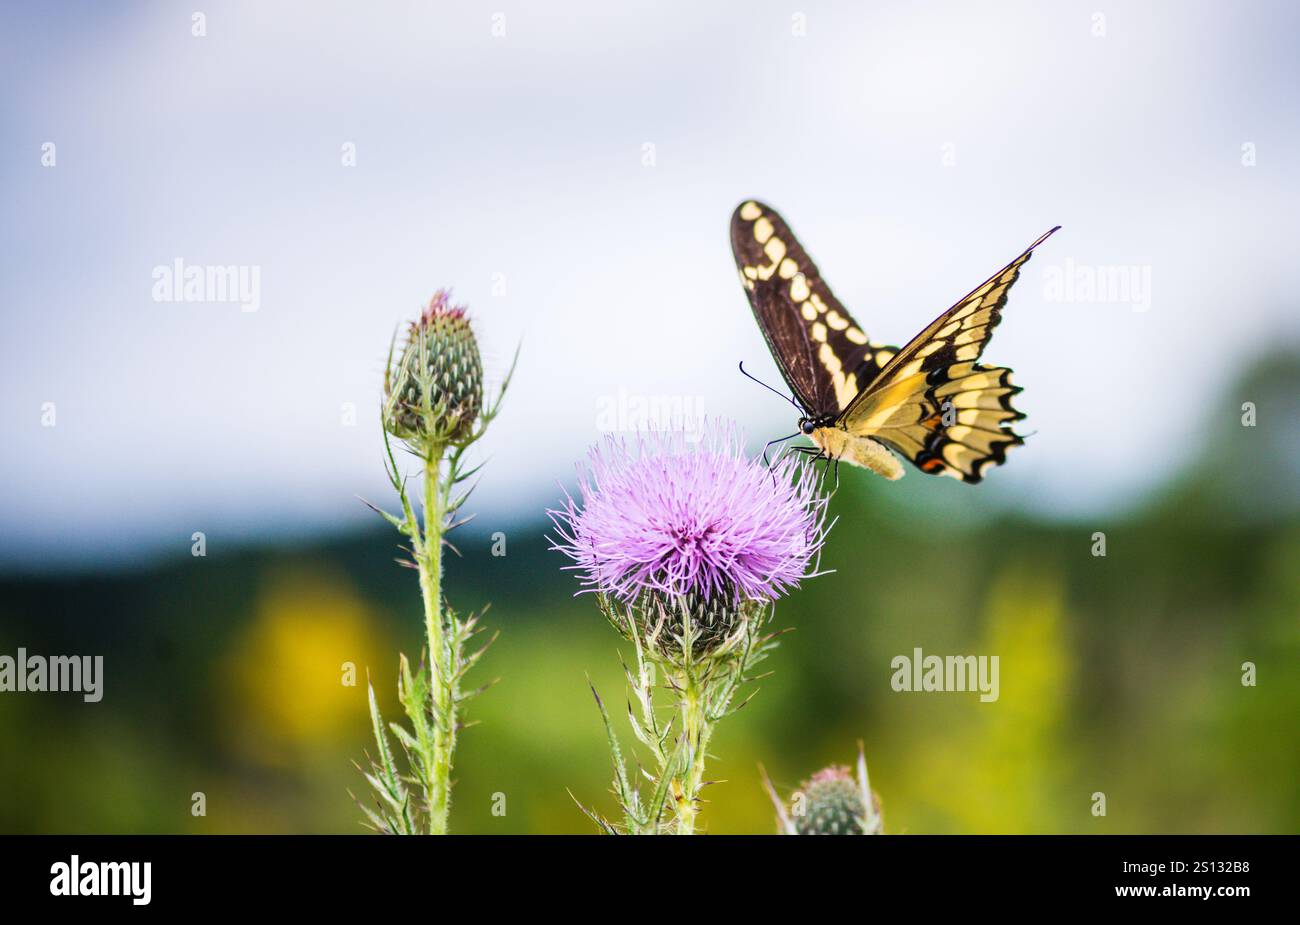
[698,729]
[441,669]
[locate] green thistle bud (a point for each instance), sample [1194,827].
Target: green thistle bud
[434,394]
[831,804]
[834,801]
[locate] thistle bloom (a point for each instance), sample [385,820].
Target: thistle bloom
[667,518]
[687,544]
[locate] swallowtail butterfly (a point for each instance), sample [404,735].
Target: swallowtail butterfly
[931,402]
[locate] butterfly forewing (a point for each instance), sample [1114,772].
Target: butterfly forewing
[792,348]
[937,406]
[822,352]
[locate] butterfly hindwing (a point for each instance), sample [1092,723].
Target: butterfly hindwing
[934,403]
[831,359]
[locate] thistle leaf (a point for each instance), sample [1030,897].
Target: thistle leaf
[626,795]
[381,740]
[592,815]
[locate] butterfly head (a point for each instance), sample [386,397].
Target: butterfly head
[808,424]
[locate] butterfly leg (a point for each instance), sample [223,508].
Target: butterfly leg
[771,443]
[822,455]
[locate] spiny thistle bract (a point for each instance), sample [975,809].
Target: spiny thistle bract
[666,621]
[686,545]
[834,801]
[434,393]
[674,529]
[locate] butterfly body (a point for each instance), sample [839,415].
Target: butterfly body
[931,401]
[837,443]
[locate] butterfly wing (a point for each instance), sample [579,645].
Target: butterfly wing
[792,349]
[937,406]
[823,354]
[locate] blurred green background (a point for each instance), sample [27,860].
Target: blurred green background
[1119,674]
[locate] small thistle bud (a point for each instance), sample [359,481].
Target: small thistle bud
[434,394]
[834,801]
[832,804]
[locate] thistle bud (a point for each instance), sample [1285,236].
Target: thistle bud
[434,393]
[832,804]
[834,801]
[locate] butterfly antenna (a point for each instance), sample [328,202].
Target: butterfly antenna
[770,389]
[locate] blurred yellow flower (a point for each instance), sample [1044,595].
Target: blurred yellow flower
[1002,768]
[296,677]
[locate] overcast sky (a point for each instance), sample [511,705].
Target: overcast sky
[570,168]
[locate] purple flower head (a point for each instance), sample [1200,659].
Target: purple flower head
[662,514]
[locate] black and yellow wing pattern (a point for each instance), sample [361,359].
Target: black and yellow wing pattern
[822,352]
[932,402]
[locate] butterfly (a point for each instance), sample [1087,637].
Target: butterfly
[932,401]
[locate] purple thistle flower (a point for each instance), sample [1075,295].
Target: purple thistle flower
[664,516]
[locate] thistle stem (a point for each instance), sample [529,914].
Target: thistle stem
[441,670]
[698,729]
